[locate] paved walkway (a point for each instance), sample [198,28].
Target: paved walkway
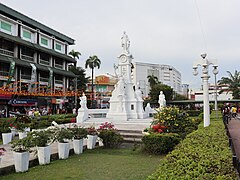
[234,131]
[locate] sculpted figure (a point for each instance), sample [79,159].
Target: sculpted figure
[125,42]
[161,100]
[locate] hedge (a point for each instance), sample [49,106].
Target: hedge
[157,143]
[203,154]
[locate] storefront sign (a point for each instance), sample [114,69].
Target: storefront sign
[23,102]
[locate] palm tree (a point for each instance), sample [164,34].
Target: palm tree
[233,82]
[75,55]
[153,80]
[93,62]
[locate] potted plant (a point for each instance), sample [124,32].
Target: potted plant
[42,139]
[109,135]
[21,149]
[62,135]
[22,125]
[6,131]
[2,151]
[91,137]
[21,129]
[78,134]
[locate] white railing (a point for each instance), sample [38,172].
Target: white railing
[4,73]
[58,66]
[59,82]
[27,77]
[42,79]
[44,62]
[27,58]
[6,52]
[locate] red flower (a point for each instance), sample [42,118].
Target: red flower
[160,130]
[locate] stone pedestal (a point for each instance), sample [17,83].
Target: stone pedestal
[82,115]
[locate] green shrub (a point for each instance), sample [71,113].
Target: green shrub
[175,120]
[111,138]
[193,112]
[203,154]
[160,143]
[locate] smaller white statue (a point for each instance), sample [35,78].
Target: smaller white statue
[161,100]
[138,92]
[83,101]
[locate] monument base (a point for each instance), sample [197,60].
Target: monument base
[82,115]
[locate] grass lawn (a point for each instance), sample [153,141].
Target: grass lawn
[97,164]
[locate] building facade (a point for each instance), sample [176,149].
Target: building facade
[166,74]
[33,60]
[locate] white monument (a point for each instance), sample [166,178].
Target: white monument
[125,103]
[161,100]
[83,110]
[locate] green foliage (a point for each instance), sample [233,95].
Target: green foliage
[41,138]
[193,112]
[179,97]
[62,134]
[160,143]
[22,145]
[175,120]
[79,132]
[82,80]
[167,91]
[111,138]
[5,125]
[233,83]
[204,154]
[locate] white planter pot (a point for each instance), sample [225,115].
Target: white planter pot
[78,146]
[63,150]
[21,161]
[100,142]
[6,137]
[44,154]
[22,135]
[91,141]
[13,131]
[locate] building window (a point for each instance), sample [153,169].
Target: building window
[44,41]
[27,34]
[58,47]
[6,26]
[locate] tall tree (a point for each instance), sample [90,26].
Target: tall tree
[93,62]
[75,55]
[153,80]
[233,83]
[155,90]
[81,77]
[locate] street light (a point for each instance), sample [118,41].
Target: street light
[205,64]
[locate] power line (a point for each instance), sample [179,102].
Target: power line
[201,26]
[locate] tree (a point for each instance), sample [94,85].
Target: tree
[233,83]
[80,81]
[75,55]
[93,62]
[81,77]
[155,90]
[153,80]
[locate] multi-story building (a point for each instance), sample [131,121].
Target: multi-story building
[102,88]
[33,60]
[166,74]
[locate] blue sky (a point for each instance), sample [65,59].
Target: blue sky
[166,32]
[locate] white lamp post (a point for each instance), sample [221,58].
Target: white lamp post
[205,63]
[215,72]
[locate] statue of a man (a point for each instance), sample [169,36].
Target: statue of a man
[161,100]
[83,101]
[125,42]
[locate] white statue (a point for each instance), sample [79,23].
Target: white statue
[83,101]
[138,92]
[161,100]
[125,42]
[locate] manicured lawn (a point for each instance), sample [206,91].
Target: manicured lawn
[97,164]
